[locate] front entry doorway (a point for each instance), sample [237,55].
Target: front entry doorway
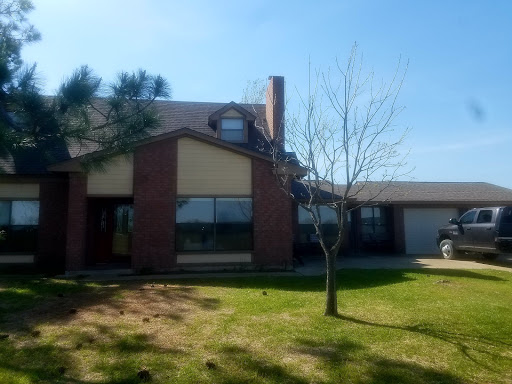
[110,228]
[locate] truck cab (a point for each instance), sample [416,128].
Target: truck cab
[487,231]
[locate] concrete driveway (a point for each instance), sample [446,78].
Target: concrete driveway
[315,265]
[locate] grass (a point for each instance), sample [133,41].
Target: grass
[394,327]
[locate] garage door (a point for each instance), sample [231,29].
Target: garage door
[421,225]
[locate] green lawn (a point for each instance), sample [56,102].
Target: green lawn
[394,327]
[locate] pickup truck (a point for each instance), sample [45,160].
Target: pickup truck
[487,231]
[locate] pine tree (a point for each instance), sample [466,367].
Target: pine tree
[107,117]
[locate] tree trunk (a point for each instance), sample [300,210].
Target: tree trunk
[331,304]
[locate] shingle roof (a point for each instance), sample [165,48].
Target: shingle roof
[173,115]
[424,193]
[407,192]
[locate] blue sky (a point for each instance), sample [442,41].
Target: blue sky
[456,92]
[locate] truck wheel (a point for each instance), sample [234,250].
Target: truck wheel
[447,249]
[490,256]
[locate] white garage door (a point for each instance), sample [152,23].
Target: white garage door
[421,225]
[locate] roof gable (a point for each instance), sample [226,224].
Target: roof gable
[232,105]
[74,165]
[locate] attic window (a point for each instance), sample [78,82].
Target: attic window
[232,130]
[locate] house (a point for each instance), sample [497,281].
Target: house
[400,217]
[200,192]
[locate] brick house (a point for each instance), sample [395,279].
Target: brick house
[200,192]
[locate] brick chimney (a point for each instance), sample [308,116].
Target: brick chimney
[275,110]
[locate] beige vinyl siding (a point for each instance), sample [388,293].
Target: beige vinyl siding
[232,113]
[16,259]
[207,170]
[19,191]
[214,258]
[116,180]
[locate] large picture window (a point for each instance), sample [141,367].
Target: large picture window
[214,224]
[18,223]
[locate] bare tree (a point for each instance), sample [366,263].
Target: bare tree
[254,92]
[345,136]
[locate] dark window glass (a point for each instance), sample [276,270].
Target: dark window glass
[232,129]
[195,224]
[367,220]
[18,223]
[233,227]
[484,216]
[506,216]
[468,217]
[214,224]
[374,225]
[307,231]
[328,216]
[123,228]
[123,218]
[195,210]
[25,213]
[19,238]
[5,212]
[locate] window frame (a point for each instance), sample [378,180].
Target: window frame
[376,237]
[383,214]
[214,249]
[244,129]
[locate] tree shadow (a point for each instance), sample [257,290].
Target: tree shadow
[337,357]
[347,279]
[239,365]
[335,352]
[18,293]
[26,303]
[468,345]
[463,273]
[336,361]
[54,363]
[51,323]
[385,371]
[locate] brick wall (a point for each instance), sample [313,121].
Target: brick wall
[77,222]
[154,199]
[272,213]
[53,200]
[275,105]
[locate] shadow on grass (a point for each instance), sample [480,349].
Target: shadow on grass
[43,300]
[339,358]
[239,365]
[53,363]
[468,345]
[338,362]
[347,279]
[463,273]
[92,321]
[17,293]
